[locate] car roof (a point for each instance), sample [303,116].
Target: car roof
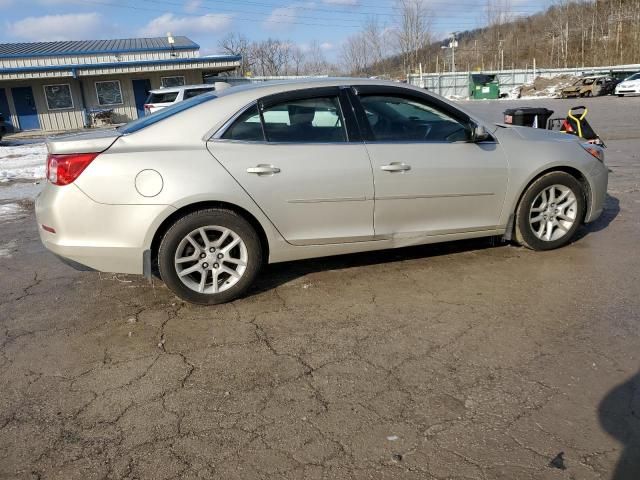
[181,87]
[279,86]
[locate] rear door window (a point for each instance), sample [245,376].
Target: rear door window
[162,97]
[309,120]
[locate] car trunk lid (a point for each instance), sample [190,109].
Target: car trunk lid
[84,142]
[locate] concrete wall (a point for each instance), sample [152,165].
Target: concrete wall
[73,118]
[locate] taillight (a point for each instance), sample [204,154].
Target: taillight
[64,169]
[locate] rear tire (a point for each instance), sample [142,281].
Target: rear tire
[550,212]
[210,256]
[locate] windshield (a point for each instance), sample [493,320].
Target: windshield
[165,113]
[635,76]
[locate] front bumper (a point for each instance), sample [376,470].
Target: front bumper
[108,238]
[598,180]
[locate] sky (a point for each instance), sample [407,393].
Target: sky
[327,22]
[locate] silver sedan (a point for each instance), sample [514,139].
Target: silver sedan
[207,191]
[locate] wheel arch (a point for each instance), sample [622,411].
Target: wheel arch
[574,172]
[203,205]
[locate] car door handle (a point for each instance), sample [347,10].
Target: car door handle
[396,167]
[263,170]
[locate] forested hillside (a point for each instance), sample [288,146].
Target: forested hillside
[570,33]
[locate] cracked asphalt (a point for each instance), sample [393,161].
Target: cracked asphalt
[466,360]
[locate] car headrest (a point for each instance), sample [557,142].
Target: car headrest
[299,115]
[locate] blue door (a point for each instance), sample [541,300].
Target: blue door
[140,93]
[4,110]
[25,108]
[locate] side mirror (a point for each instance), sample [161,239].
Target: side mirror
[479,133]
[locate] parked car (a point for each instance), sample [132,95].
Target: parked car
[164,97]
[590,87]
[210,189]
[629,86]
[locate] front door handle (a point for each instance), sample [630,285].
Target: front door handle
[263,169]
[396,167]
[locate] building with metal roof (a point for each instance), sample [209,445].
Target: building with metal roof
[55,86]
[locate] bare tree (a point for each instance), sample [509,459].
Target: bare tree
[237,44]
[412,31]
[271,57]
[356,55]
[316,63]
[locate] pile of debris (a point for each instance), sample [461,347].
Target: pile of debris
[544,87]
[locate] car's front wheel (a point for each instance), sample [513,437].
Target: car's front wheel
[210,256]
[550,211]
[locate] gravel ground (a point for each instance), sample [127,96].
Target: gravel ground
[467,360]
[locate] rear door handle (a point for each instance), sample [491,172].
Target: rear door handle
[396,167]
[263,169]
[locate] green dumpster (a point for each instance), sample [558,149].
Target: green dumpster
[484,86]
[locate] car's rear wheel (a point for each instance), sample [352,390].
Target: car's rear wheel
[210,256]
[550,211]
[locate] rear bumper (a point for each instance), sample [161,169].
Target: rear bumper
[108,238]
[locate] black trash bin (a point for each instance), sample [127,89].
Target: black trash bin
[528,116]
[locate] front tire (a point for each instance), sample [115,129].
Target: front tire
[550,212]
[210,256]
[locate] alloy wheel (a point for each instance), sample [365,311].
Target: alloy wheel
[211,259]
[553,212]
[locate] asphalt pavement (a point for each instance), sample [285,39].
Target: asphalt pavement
[465,360]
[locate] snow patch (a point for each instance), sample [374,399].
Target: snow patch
[11,211]
[22,161]
[7,249]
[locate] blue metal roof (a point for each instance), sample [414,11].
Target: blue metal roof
[73,68]
[88,47]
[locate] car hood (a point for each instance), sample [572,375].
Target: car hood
[538,134]
[83,142]
[629,83]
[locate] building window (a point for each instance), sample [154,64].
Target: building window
[58,96]
[109,93]
[172,81]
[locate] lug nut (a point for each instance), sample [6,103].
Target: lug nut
[215,265]
[205,265]
[202,255]
[212,249]
[220,255]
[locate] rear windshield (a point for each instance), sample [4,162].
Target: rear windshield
[163,97]
[194,92]
[156,117]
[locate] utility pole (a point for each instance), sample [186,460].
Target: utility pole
[453,44]
[501,54]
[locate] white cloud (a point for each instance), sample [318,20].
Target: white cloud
[281,17]
[326,46]
[71,26]
[192,6]
[349,3]
[168,22]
